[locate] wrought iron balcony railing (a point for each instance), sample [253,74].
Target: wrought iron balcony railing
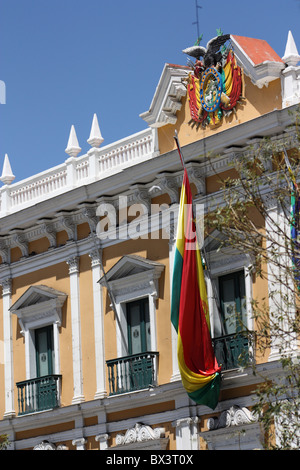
[42,393]
[233,351]
[130,373]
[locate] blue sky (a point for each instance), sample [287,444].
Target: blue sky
[64,60]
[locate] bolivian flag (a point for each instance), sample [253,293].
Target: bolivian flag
[198,367]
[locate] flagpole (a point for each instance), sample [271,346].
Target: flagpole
[215,292]
[179,149]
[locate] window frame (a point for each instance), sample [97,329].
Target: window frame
[128,285]
[44,313]
[238,299]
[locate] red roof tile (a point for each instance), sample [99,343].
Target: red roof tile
[258,50]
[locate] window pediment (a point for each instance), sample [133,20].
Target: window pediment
[133,273]
[38,306]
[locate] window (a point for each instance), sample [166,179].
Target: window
[133,281]
[39,312]
[138,324]
[232,344]
[233,302]
[44,351]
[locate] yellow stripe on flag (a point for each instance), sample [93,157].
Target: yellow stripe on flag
[190,380]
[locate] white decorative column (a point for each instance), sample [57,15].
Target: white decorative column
[8,349]
[95,256]
[187,433]
[103,441]
[73,263]
[79,443]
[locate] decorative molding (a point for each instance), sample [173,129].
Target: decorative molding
[234,416]
[89,214]
[4,251]
[67,223]
[95,256]
[103,440]
[140,433]
[167,99]
[46,445]
[169,185]
[38,306]
[139,195]
[79,443]
[18,239]
[48,229]
[6,286]
[73,263]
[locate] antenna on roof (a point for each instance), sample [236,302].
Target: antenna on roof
[198,7]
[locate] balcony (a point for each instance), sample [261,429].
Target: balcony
[39,394]
[130,373]
[233,351]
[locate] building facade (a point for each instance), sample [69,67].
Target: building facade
[88,352]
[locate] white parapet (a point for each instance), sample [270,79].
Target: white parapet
[95,165]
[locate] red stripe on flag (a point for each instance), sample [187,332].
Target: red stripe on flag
[197,345]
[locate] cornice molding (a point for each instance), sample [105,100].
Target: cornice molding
[167,98]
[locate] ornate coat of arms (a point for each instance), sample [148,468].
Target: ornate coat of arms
[215,85]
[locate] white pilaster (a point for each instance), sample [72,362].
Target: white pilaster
[98,324]
[8,350]
[186,434]
[79,443]
[73,263]
[103,441]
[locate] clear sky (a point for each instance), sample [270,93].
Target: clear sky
[64,60]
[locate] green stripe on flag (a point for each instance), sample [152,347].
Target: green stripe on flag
[176,288]
[208,395]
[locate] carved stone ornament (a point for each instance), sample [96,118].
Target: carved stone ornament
[139,433]
[46,445]
[235,416]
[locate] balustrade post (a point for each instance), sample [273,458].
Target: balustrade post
[71,172]
[5,199]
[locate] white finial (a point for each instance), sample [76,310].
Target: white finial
[7,176]
[95,139]
[73,148]
[291,56]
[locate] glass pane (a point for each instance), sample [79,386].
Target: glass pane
[43,358]
[243,300]
[229,305]
[135,329]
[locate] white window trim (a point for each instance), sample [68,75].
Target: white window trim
[227,261]
[36,316]
[128,288]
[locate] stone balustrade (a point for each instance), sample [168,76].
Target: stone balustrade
[96,164]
